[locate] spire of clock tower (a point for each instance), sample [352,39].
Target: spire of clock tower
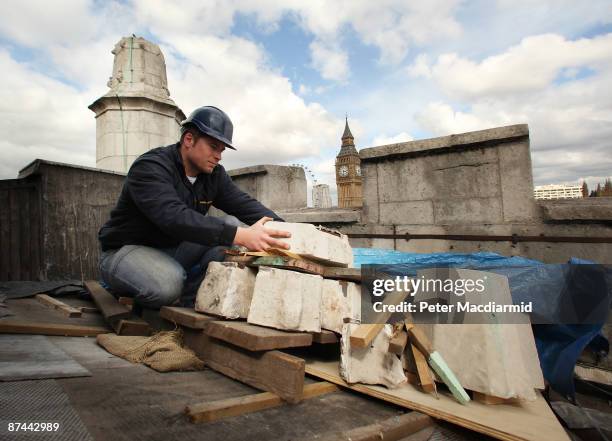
[348,142]
[348,171]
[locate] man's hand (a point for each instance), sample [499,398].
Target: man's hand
[259,238]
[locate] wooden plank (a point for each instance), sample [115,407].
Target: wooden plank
[243,260]
[426,381]
[89,309]
[489,399]
[594,374]
[521,421]
[392,429]
[108,305]
[132,326]
[127,301]
[9,326]
[350,274]
[398,343]
[363,335]
[186,317]
[216,410]
[301,265]
[64,308]
[324,337]
[256,338]
[271,371]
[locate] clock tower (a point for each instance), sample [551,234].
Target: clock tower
[348,172]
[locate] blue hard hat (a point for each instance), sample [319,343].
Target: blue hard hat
[213,122]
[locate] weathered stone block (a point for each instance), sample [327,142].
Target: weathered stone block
[413,212]
[315,244]
[226,290]
[276,186]
[503,344]
[517,182]
[373,364]
[468,211]
[287,300]
[369,188]
[466,179]
[404,180]
[339,300]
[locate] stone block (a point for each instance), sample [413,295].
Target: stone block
[468,211]
[286,300]
[373,364]
[464,177]
[443,144]
[517,182]
[404,179]
[591,209]
[369,188]
[226,290]
[412,212]
[339,300]
[508,364]
[276,186]
[314,244]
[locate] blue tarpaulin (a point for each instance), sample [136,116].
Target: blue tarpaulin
[578,289]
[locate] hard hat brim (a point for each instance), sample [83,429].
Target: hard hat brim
[202,128]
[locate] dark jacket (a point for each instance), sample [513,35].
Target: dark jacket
[159,207]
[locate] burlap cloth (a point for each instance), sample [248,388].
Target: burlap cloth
[163,351]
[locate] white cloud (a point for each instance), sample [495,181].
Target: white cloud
[570,121]
[392,26]
[330,61]
[440,119]
[41,118]
[530,66]
[385,140]
[271,123]
[37,23]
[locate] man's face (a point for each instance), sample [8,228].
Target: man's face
[204,154]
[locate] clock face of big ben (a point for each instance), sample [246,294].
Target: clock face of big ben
[343,171]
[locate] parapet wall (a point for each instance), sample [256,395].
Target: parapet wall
[470,186]
[479,177]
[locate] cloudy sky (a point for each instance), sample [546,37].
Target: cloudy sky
[288,71]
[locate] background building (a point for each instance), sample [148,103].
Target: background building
[321,197]
[557,191]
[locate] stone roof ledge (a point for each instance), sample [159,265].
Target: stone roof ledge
[444,144]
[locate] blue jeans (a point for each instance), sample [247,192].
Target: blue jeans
[159,277]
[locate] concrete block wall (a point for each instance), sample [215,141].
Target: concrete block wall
[479,177]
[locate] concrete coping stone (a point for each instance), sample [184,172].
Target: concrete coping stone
[476,139]
[134,101]
[333,215]
[34,167]
[258,169]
